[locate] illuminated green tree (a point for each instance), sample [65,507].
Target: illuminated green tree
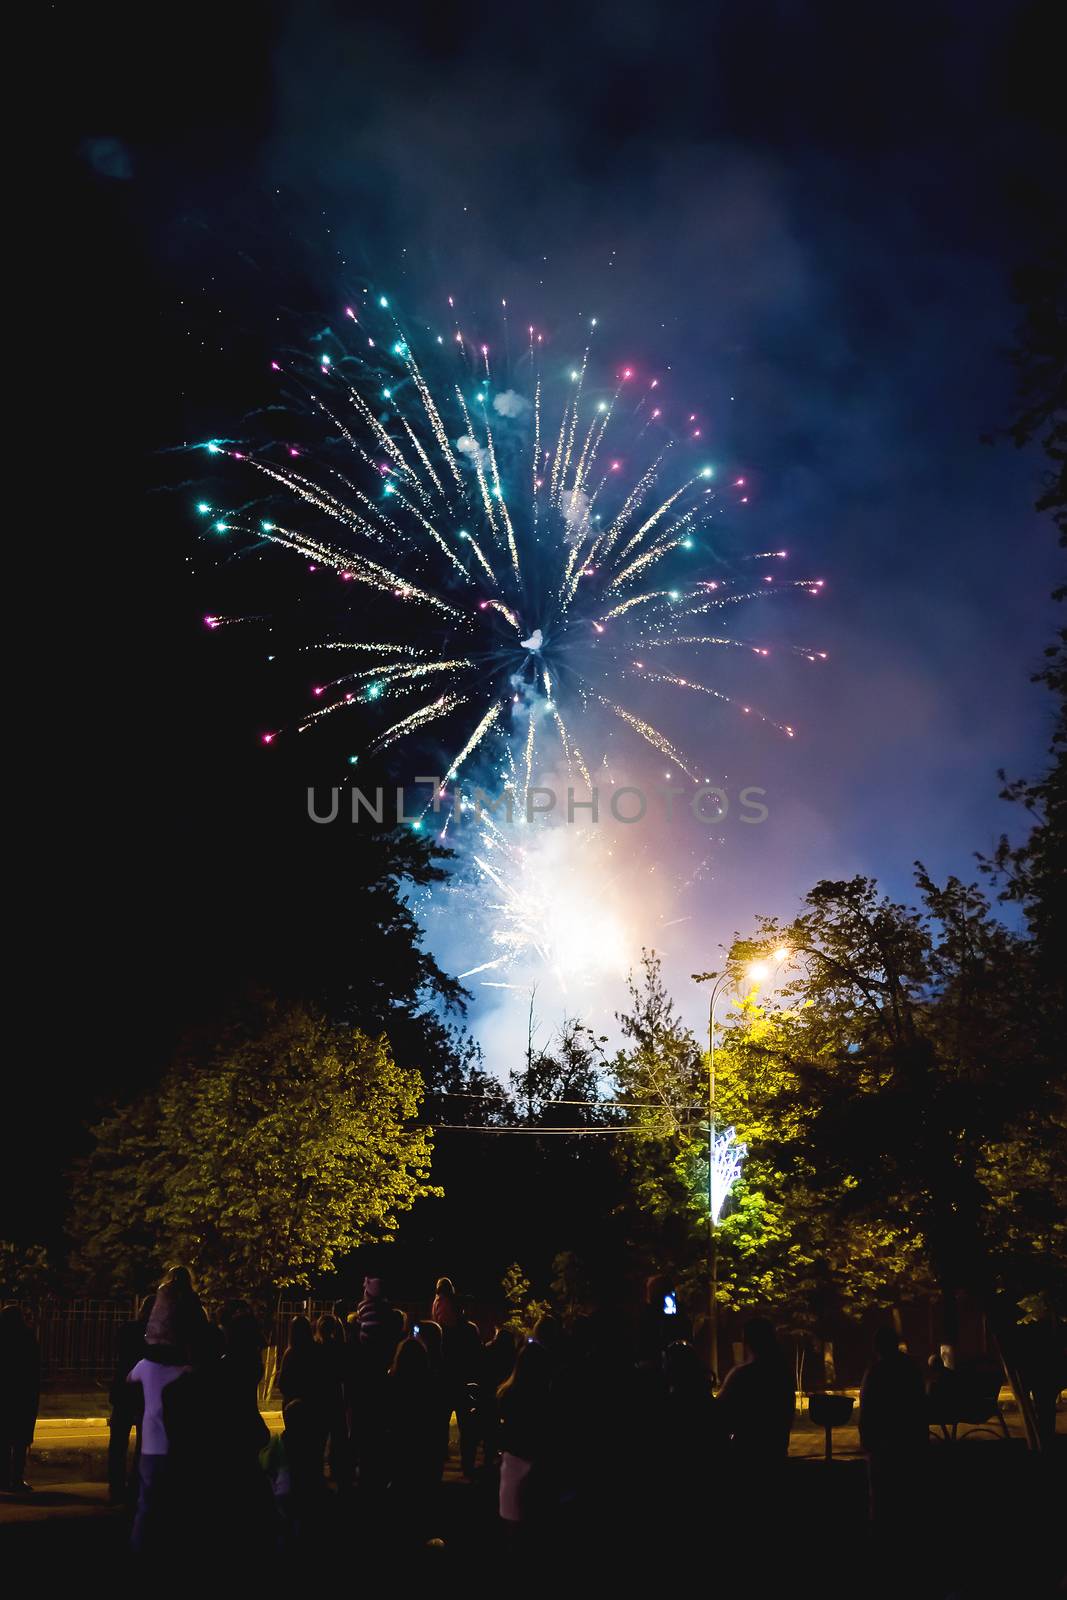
[660,1076]
[260,1163]
[783,1242]
[903,1080]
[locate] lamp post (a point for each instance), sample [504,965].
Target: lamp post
[757,971]
[717,979]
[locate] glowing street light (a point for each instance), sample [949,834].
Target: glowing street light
[725,1151]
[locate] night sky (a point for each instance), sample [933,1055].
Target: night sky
[812,209]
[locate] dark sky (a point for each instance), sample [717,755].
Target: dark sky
[813,208]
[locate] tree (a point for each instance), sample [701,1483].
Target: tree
[1034,874]
[659,1075]
[909,1085]
[561,1081]
[25,1272]
[524,1312]
[285,1145]
[367,966]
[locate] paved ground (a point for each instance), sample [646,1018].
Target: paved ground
[68,1462]
[65,1439]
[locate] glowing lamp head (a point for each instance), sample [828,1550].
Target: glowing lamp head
[204,509]
[212,449]
[757,971]
[782,953]
[707,472]
[383,302]
[267,738]
[353,761]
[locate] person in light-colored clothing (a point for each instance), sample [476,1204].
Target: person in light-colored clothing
[154,1376]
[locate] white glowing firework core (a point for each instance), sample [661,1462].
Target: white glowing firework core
[554,903]
[727,1157]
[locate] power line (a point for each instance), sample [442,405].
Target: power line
[607,1105]
[535,1133]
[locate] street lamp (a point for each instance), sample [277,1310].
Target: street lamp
[717,980]
[724,1152]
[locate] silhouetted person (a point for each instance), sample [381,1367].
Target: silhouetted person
[20,1395]
[497,1366]
[445,1309]
[158,1498]
[293,1465]
[894,1432]
[756,1403]
[415,1461]
[330,1337]
[127,1404]
[461,1351]
[301,1375]
[236,1378]
[377,1327]
[177,1320]
[524,1410]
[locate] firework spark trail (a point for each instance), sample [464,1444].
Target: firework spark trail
[565,565]
[700,688]
[553,900]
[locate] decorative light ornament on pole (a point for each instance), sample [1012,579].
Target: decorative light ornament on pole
[726,1153]
[726,1156]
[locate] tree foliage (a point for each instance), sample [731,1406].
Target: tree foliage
[902,1083]
[260,1161]
[1034,873]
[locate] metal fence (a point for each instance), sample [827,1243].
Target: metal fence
[79,1338]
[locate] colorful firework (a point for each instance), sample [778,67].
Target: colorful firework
[519,576]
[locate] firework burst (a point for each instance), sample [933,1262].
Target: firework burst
[509,571]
